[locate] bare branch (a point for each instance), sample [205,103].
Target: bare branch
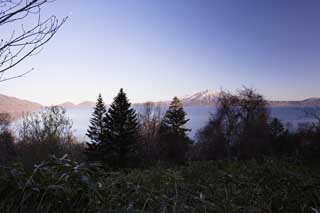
[16,76]
[313,113]
[26,40]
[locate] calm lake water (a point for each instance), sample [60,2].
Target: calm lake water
[198,115]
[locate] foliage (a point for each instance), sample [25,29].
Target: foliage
[174,119]
[239,129]
[281,183]
[7,147]
[50,125]
[97,130]
[44,133]
[174,142]
[62,185]
[254,129]
[120,147]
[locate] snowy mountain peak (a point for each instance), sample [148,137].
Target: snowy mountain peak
[205,97]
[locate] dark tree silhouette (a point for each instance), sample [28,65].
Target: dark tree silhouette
[120,146]
[150,119]
[7,147]
[238,129]
[23,32]
[174,141]
[97,130]
[174,120]
[254,115]
[279,137]
[314,114]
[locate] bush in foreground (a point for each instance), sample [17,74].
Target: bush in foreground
[62,185]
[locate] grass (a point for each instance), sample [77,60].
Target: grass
[61,185]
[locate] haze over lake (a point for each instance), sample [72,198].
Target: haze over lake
[198,116]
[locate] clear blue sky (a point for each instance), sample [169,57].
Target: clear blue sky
[156,49]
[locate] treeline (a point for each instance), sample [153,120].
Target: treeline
[241,129]
[119,137]
[37,137]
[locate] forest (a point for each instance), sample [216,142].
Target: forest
[242,160]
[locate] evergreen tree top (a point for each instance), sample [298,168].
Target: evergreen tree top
[100,102]
[122,130]
[121,115]
[176,104]
[175,117]
[121,100]
[96,129]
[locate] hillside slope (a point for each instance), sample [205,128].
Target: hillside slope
[16,106]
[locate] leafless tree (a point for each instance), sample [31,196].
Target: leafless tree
[50,126]
[228,116]
[24,31]
[313,114]
[150,118]
[44,133]
[238,129]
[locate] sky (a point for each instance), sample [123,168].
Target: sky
[158,49]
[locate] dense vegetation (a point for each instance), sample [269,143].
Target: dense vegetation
[242,160]
[62,185]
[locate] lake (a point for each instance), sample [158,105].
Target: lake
[198,115]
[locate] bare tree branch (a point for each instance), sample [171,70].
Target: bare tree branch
[313,113]
[16,76]
[27,40]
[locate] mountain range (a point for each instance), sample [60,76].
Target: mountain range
[84,104]
[16,106]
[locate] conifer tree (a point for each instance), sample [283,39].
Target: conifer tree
[174,120]
[122,132]
[97,130]
[174,141]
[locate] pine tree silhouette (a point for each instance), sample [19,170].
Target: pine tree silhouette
[122,131]
[97,130]
[174,141]
[174,120]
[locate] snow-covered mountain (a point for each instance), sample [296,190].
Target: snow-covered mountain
[16,106]
[208,97]
[205,97]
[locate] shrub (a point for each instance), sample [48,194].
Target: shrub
[7,146]
[44,133]
[62,185]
